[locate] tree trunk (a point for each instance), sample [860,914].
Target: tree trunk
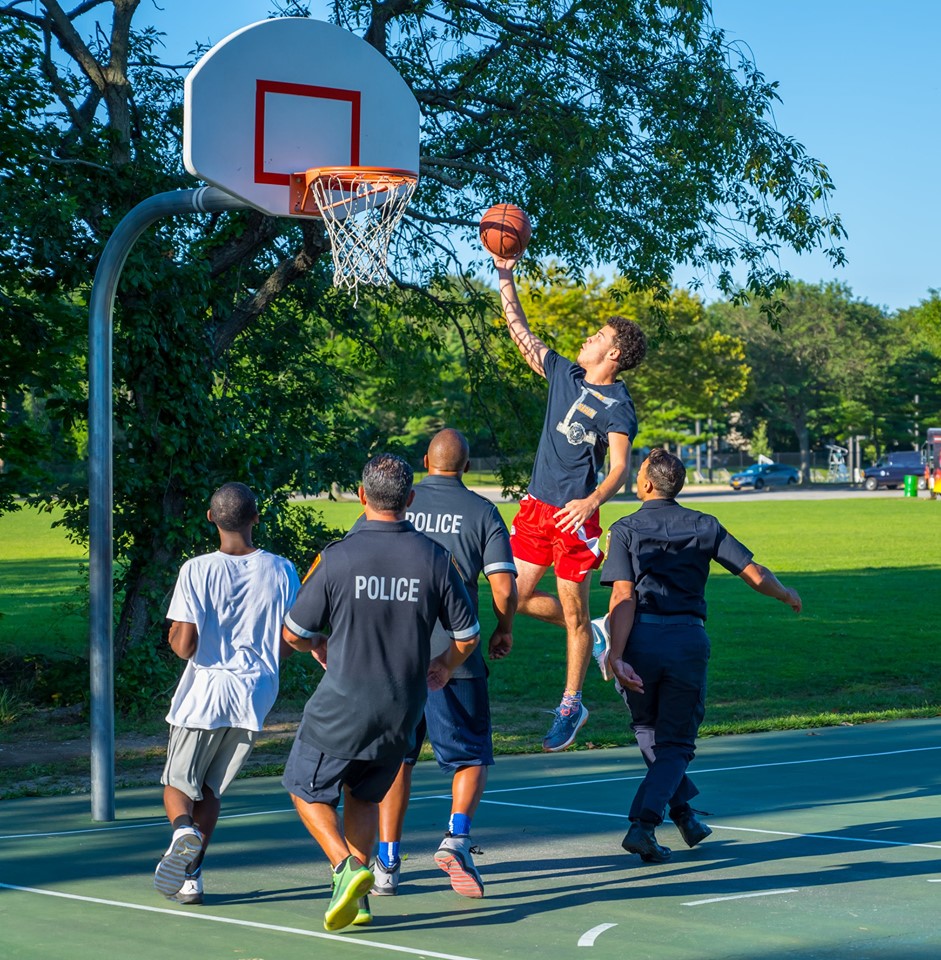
[803,441]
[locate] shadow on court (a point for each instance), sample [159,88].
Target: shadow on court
[824,846]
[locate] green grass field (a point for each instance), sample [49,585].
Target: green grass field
[42,588]
[865,647]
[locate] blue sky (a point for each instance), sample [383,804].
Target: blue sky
[859,90]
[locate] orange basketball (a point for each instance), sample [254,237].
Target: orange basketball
[505,230]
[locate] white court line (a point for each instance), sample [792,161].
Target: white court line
[739,896]
[187,915]
[542,786]
[719,826]
[588,938]
[700,771]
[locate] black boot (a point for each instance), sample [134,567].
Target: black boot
[692,830]
[642,839]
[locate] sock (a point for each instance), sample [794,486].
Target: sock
[571,701]
[388,853]
[459,825]
[183,820]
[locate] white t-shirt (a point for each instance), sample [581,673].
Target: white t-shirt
[237,604]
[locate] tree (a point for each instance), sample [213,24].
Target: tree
[627,129]
[809,373]
[692,372]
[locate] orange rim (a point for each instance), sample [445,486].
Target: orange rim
[347,176]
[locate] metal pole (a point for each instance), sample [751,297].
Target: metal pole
[100,490]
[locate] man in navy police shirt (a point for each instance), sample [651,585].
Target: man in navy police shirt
[589,414]
[658,564]
[380,591]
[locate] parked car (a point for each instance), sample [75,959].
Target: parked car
[891,470]
[760,475]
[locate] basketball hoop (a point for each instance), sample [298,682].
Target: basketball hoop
[360,207]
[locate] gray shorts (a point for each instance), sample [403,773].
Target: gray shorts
[205,758]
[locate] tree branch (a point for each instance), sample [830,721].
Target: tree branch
[315,245]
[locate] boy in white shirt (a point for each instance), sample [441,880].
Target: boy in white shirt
[226,616]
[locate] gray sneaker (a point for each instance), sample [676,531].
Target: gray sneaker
[454,858]
[183,850]
[601,648]
[387,878]
[564,728]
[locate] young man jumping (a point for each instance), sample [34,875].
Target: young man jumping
[589,414]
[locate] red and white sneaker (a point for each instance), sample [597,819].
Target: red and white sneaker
[454,858]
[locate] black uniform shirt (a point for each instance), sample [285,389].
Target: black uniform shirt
[664,550]
[380,589]
[472,529]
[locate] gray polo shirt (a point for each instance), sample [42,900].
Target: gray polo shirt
[471,527]
[380,591]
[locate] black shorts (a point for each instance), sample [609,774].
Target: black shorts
[315,777]
[457,723]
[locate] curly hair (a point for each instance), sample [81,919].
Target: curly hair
[630,340]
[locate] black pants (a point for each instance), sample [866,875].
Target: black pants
[672,661]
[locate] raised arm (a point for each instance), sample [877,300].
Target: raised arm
[762,580]
[530,346]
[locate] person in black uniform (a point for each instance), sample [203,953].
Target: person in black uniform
[457,717]
[657,566]
[380,591]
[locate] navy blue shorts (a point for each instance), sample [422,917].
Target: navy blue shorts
[316,777]
[457,724]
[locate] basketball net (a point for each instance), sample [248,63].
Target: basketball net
[360,208]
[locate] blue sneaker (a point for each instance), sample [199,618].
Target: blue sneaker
[601,649]
[568,721]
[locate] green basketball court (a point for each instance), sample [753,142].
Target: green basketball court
[826,844]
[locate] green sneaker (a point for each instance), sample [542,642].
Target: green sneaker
[363,914]
[352,882]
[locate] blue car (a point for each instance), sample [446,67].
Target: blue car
[760,475]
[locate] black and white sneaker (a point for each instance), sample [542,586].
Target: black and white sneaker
[387,879]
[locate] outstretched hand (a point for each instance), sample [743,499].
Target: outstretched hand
[504,263]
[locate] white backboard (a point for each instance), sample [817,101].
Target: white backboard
[281,96]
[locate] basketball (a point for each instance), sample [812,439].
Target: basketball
[505,230]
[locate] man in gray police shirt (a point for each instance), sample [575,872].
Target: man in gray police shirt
[457,717]
[380,591]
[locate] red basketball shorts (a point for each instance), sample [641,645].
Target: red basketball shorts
[535,538]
